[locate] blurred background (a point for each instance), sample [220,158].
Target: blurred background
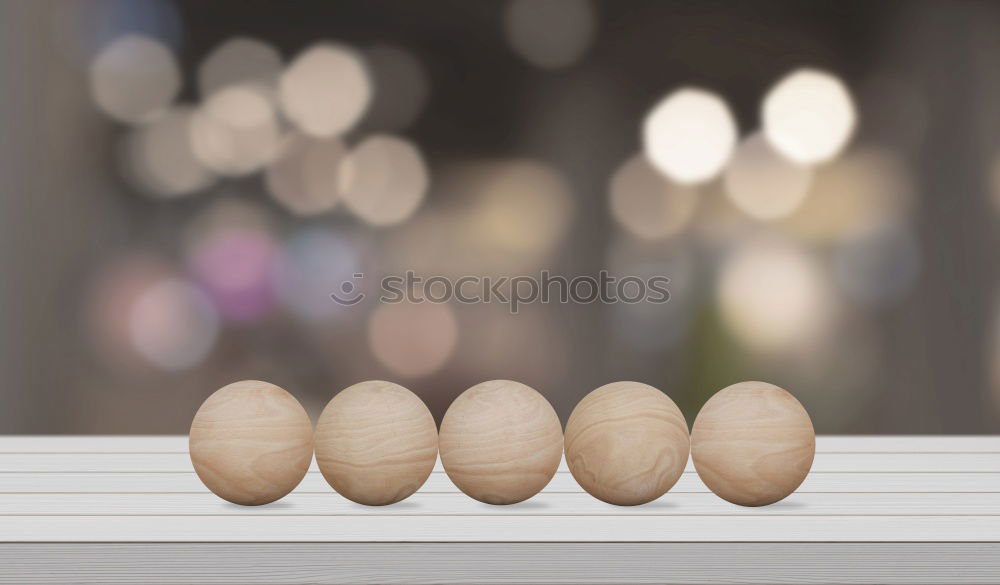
[184,183]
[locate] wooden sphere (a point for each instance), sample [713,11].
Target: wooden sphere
[753,443]
[376,443]
[626,443]
[501,442]
[251,443]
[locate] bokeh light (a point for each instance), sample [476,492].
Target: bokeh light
[401,88]
[305,176]
[550,34]
[647,204]
[772,296]
[173,325]
[519,209]
[325,90]
[239,61]
[114,290]
[877,265]
[866,186]
[809,116]
[159,159]
[413,340]
[764,184]
[316,262]
[237,268]
[689,135]
[235,132]
[384,180]
[134,78]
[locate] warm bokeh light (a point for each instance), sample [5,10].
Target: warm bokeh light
[764,184]
[866,186]
[325,90]
[316,262]
[237,268]
[413,340]
[173,325]
[773,297]
[236,132]
[809,116]
[159,159]
[134,78]
[690,135]
[383,180]
[519,209]
[239,61]
[305,176]
[877,265]
[646,203]
[401,88]
[550,34]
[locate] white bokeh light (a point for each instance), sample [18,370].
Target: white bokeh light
[236,132]
[689,135]
[762,183]
[809,116]
[384,180]
[239,61]
[304,177]
[325,90]
[159,158]
[550,34]
[647,204]
[772,296]
[134,78]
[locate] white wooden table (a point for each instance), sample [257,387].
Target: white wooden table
[131,510]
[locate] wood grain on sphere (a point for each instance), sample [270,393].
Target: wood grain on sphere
[251,442]
[376,443]
[753,443]
[626,443]
[501,442]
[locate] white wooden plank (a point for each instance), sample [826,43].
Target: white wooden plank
[299,563]
[180,462]
[439,482]
[500,528]
[544,504]
[93,444]
[178,443]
